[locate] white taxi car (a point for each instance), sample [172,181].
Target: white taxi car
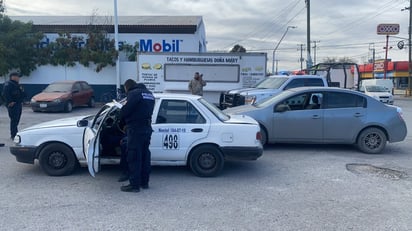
[187,131]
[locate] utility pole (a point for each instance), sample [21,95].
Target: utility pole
[309,58]
[373,58]
[314,50]
[409,90]
[301,55]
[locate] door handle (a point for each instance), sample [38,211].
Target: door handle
[358,114]
[197,130]
[316,117]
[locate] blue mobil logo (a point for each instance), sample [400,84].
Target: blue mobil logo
[163,46]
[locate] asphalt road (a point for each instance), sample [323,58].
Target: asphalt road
[292,187]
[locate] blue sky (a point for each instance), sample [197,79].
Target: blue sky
[341,28]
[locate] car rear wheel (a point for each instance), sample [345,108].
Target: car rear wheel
[57,160]
[372,140]
[68,107]
[206,161]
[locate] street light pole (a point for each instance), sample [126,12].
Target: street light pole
[116,45]
[277,45]
[410,50]
[409,89]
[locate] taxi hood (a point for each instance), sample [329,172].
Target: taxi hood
[65,122]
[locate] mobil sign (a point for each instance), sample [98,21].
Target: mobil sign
[161,45]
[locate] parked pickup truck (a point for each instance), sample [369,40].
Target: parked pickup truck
[269,86]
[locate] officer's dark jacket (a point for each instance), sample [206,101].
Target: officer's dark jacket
[139,107]
[13,92]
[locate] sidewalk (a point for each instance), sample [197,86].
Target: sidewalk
[401,94]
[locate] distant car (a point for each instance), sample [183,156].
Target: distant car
[327,115]
[63,96]
[187,131]
[378,92]
[269,86]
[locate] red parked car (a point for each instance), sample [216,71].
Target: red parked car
[63,96]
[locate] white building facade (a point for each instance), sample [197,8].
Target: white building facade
[152,33]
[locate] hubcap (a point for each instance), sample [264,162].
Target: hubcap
[373,140]
[207,161]
[57,160]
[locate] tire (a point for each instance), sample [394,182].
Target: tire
[372,140]
[57,160]
[264,135]
[92,102]
[106,97]
[68,107]
[206,161]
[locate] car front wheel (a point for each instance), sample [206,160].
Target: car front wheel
[91,102]
[206,161]
[68,107]
[57,160]
[372,140]
[264,135]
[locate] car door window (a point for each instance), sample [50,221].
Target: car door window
[314,101]
[296,102]
[344,100]
[178,111]
[76,87]
[85,86]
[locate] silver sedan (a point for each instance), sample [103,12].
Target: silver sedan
[327,115]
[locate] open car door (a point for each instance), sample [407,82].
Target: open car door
[91,137]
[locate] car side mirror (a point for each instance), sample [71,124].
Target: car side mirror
[282,108]
[82,123]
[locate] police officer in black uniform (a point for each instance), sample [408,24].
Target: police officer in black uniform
[13,94]
[137,114]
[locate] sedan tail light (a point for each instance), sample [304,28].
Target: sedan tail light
[259,136]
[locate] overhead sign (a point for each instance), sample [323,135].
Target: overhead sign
[387,29]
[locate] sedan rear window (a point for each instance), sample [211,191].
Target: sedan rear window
[215,110]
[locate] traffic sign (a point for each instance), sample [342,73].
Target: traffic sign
[387,29]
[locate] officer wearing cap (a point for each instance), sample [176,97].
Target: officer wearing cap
[13,94]
[137,114]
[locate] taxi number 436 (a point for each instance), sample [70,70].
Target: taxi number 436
[171,141]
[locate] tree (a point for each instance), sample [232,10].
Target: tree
[238,48]
[1,7]
[66,51]
[20,48]
[18,44]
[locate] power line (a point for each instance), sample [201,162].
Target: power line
[358,21]
[267,26]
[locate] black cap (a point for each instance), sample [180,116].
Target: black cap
[15,74]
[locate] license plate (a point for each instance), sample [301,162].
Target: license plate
[43,105]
